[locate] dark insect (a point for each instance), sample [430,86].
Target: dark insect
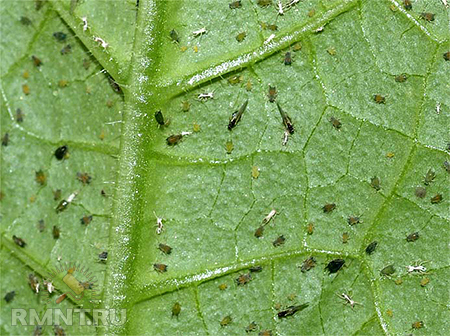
[259,231]
[235,4]
[264,3]
[41,225]
[273,27]
[336,123]
[279,241]
[243,279]
[223,286]
[272,93]
[401,78]
[379,99]
[103,257]
[176,309]
[86,220]
[292,310]
[40,177]
[236,116]
[375,183]
[61,152]
[345,237]
[33,281]
[9,296]
[308,264]
[436,199]
[407,4]
[56,194]
[159,118]
[59,331]
[287,122]
[447,166]
[25,21]
[429,177]
[241,36]
[417,325]
[388,270]
[447,56]
[371,247]
[19,115]
[335,265]
[84,178]
[420,192]
[60,36]
[174,36]
[288,58]
[353,220]
[67,49]
[412,237]
[62,206]
[160,268]
[174,139]
[166,249]
[251,327]
[36,61]
[255,269]
[114,85]
[226,320]
[19,241]
[327,208]
[38,4]
[427,16]
[55,232]
[37,330]
[265,333]
[5,139]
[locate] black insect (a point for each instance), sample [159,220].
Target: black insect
[259,231]
[255,269]
[288,58]
[226,321]
[375,183]
[41,225]
[420,192]
[36,61]
[176,309]
[287,122]
[19,241]
[251,327]
[61,152]
[166,249]
[446,56]
[9,296]
[103,257]
[86,220]
[272,95]
[55,232]
[60,36]
[429,177]
[427,16]
[292,310]
[388,270]
[327,208]
[407,4]
[235,4]
[19,115]
[401,78]
[236,116]
[353,220]
[160,268]
[5,139]
[114,85]
[335,265]
[308,264]
[66,50]
[174,36]
[264,3]
[447,166]
[412,237]
[159,118]
[371,247]
[436,199]
[174,139]
[336,123]
[279,241]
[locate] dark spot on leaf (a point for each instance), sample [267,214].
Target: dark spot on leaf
[327,208]
[371,247]
[335,265]
[19,241]
[9,296]
[388,270]
[291,310]
[61,152]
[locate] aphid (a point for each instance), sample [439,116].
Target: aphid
[412,237]
[248,86]
[235,79]
[19,241]
[56,194]
[241,36]
[251,327]
[312,12]
[297,47]
[160,118]
[371,247]
[61,152]
[9,296]
[33,281]
[308,264]
[264,3]
[447,56]
[55,232]
[86,220]
[401,78]
[175,139]
[85,23]
[292,310]
[287,58]
[255,172]
[236,116]
[379,99]
[348,299]
[436,199]
[59,36]
[223,286]
[185,106]
[447,166]
[59,331]
[419,268]
[19,115]
[331,51]
[62,83]
[159,224]
[390,313]
[160,268]
[84,178]
[287,122]
[5,139]
[41,225]
[427,16]
[226,320]
[336,123]
[65,203]
[272,95]
[398,282]
[196,127]
[40,177]
[235,4]
[67,49]
[345,237]
[353,220]
[265,333]
[269,217]
[229,146]
[407,4]
[417,325]
[255,269]
[277,306]
[243,279]
[429,177]
[166,249]
[375,183]
[420,192]
[272,27]
[310,228]
[199,32]
[195,49]
[25,21]
[424,282]
[259,231]
[103,257]
[114,85]
[335,265]
[279,241]
[37,330]
[102,42]
[327,208]
[388,270]
[26,89]
[176,309]
[36,61]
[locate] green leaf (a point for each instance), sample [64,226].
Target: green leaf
[204,188]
